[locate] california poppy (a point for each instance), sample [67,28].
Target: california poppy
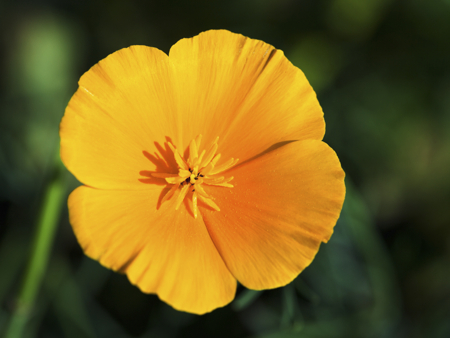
[143,133]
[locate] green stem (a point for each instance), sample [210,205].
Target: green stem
[39,256]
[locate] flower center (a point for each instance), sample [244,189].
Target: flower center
[196,171]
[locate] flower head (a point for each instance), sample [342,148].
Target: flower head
[156,138]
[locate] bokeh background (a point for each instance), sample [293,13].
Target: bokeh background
[381,70]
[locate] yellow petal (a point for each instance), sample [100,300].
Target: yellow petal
[122,107]
[244,90]
[161,251]
[282,206]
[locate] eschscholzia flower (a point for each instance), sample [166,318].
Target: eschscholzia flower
[201,168]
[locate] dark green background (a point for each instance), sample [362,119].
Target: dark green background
[381,71]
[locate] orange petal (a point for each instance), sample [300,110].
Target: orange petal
[283,205]
[243,90]
[163,251]
[122,106]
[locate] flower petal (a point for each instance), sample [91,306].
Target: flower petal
[163,251]
[283,205]
[244,90]
[122,107]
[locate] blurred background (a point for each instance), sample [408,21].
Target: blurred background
[381,71]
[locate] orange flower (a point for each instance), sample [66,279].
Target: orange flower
[144,132]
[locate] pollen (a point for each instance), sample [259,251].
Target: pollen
[193,173]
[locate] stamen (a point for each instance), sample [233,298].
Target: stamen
[194,203]
[181,196]
[181,163]
[199,160]
[208,169]
[209,202]
[211,152]
[228,164]
[193,152]
[170,193]
[200,191]
[184,173]
[175,180]
[213,180]
[196,171]
[224,183]
[198,140]
[216,159]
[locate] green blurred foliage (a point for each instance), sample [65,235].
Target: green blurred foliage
[355,19]
[381,72]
